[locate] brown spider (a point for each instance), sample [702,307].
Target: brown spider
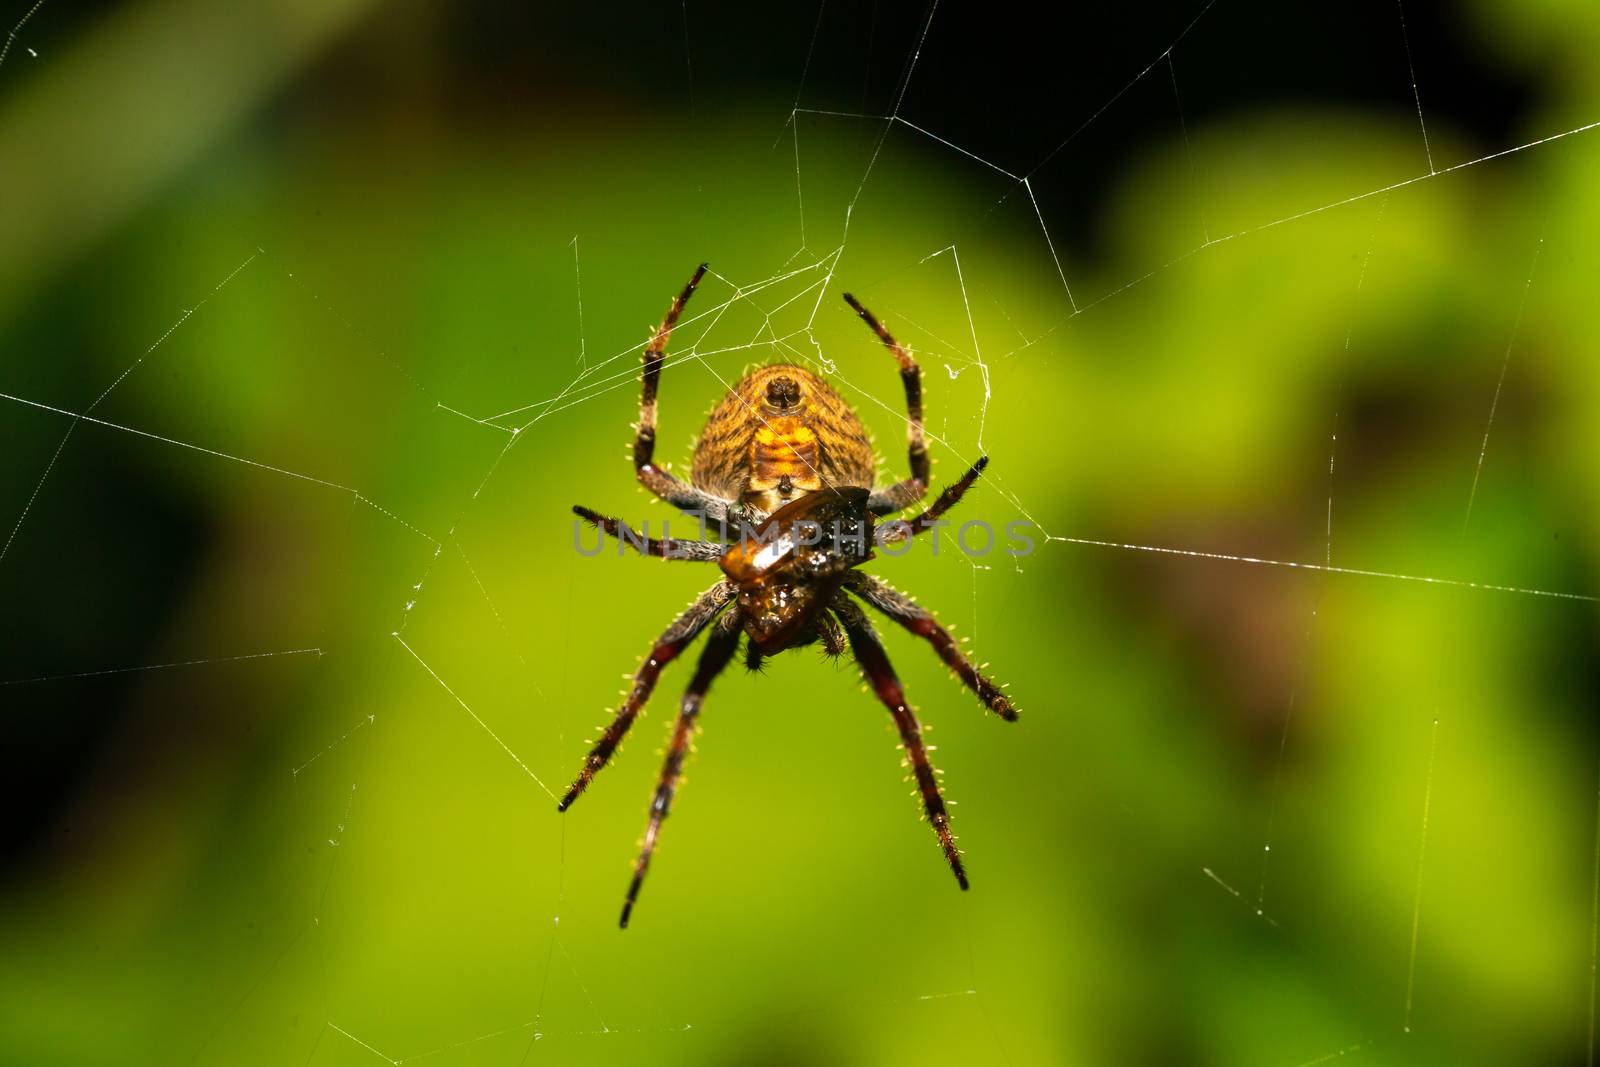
[785,460]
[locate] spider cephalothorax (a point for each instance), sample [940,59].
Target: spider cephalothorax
[783,472]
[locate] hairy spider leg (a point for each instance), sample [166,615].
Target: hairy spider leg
[681,495]
[677,637]
[903,528]
[901,494]
[875,667]
[828,632]
[665,548]
[920,621]
[720,646]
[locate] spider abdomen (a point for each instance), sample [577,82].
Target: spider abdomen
[778,434]
[784,450]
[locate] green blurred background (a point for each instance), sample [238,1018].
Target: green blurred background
[278,279]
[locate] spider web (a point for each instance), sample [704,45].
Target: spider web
[358,704]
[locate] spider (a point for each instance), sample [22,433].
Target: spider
[783,473]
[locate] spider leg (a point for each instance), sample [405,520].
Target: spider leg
[681,495]
[901,494]
[920,621]
[720,646]
[874,663]
[676,638]
[666,548]
[832,638]
[901,529]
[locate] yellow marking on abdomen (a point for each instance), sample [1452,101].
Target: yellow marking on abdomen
[784,449]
